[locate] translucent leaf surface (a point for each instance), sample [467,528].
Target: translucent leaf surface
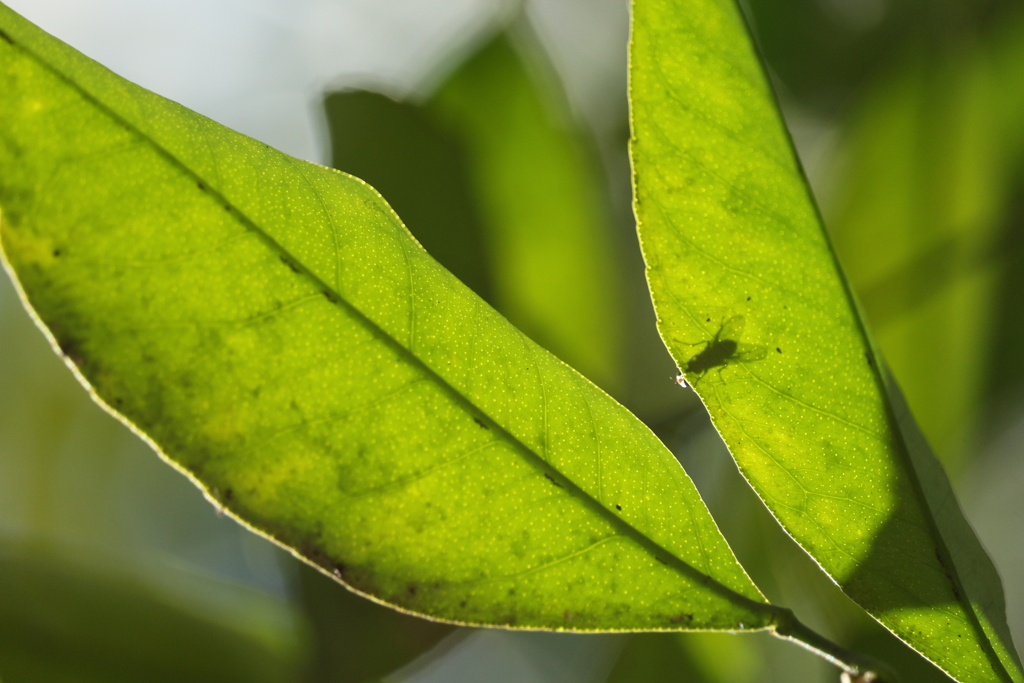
[543,210]
[401,150]
[494,178]
[756,312]
[275,331]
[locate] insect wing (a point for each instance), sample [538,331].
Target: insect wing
[750,352]
[732,328]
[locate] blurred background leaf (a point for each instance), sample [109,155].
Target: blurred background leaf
[497,183]
[67,620]
[924,224]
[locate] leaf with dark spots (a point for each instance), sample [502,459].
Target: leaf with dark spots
[346,423]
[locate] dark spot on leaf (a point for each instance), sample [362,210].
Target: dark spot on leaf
[332,297]
[69,349]
[228,496]
[411,589]
[552,480]
[709,320]
[618,507]
[56,253]
[290,263]
[661,560]
[462,603]
[681,617]
[480,422]
[6,37]
[778,349]
[748,298]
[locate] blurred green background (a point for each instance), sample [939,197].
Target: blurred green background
[498,132]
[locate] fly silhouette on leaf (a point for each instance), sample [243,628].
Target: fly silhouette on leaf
[723,349]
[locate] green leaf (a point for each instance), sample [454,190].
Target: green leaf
[65,620]
[356,640]
[494,179]
[933,164]
[543,210]
[756,312]
[925,177]
[690,657]
[1006,362]
[649,657]
[272,328]
[405,154]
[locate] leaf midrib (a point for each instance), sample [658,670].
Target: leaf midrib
[655,549]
